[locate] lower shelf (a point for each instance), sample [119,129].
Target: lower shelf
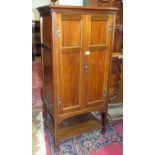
[77,125]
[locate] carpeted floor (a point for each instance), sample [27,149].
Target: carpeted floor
[38,133]
[36,85]
[93,143]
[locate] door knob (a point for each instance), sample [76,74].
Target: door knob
[86,66]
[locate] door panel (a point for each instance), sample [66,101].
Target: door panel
[97,61]
[70,56]
[95,76]
[71,33]
[98,32]
[70,79]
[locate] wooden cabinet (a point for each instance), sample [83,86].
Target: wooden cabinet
[76,58]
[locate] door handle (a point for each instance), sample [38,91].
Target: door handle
[86,66]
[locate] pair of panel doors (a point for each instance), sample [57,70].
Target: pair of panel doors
[84,45]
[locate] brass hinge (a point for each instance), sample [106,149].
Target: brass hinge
[105,93]
[59,100]
[110,28]
[58,32]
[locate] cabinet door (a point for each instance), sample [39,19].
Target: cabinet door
[97,57]
[70,36]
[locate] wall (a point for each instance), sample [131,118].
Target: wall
[36,4]
[39,3]
[71,2]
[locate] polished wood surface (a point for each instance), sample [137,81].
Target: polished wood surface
[46,30]
[96,74]
[70,55]
[78,125]
[76,53]
[45,9]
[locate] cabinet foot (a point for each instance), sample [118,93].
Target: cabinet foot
[57,145]
[45,112]
[104,122]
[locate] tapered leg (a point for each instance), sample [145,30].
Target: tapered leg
[45,112]
[56,133]
[104,121]
[56,144]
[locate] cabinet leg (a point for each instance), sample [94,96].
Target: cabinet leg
[56,144]
[104,121]
[45,112]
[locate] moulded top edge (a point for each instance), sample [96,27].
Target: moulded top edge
[81,8]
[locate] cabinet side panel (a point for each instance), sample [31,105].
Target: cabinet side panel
[47,30]
[47,60]
[47,74]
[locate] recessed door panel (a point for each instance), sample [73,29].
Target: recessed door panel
[71,33]
[70,78]
[98,32]
[95,76]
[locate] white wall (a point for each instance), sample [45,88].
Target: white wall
[36,4]
[39,3]
[71,2]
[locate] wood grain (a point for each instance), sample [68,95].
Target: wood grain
[76,66]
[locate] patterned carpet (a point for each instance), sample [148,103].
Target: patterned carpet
[38,134]
[93,143]
[36,85]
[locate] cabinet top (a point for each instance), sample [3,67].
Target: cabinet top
[76,8]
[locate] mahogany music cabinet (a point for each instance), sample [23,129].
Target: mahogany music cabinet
[76,51]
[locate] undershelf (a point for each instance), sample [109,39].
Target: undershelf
[76,125]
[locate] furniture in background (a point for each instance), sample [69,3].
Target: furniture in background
[68,2]
[90,2]
[76,59]
[36,44]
